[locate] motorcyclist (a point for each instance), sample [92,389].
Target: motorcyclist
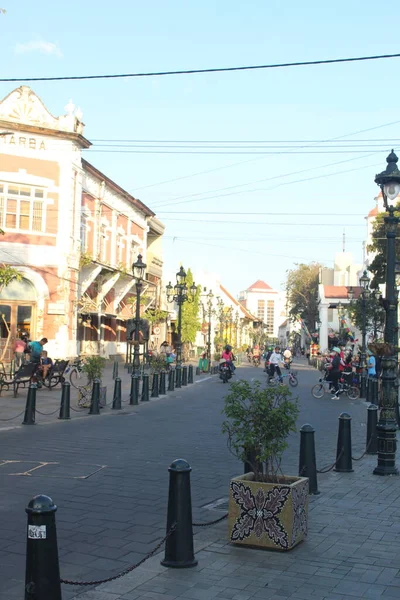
[267,357]
[228,357]
[274,362]
[287,355]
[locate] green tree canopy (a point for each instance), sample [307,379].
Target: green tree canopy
[7,275]
[190,313]
[374,315]
[378,246]
[302,292]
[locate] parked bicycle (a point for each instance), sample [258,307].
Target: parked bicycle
[77,376]
[325,387]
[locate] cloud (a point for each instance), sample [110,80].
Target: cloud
[38,46]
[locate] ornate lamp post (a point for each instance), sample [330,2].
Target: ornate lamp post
[340,310]
[221,315]
[138,270]
[389,183]
[364,284]
[229,321]
[236,329]
[180,294]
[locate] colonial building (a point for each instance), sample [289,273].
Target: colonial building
[266,304]
[72,233]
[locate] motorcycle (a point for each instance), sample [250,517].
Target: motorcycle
[225,372]
[256,361]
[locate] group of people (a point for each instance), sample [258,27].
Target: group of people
[27,351]
[341,364]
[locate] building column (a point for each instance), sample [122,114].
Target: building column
[323,330]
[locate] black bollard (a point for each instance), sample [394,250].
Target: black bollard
[162,389]
[30,406]
[197,370]
[344,462]
[155,387]
[116,405]
[115,370]
[190,374]
[130,369]
[171,381]
[145,388]
[363,386]
[374,398]
[184,375]
[134,392]
[178,376]
[307,462]
[42,574]
[179,551]
[372,434]
[65,401]
[368,391]
[95,399]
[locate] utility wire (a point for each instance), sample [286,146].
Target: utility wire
[209,70]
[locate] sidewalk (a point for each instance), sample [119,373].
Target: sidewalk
[48,401]
[352,552]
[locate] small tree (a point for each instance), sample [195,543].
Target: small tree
[94,367]
[258,423]
[374,315]
[191,323]
[302,293]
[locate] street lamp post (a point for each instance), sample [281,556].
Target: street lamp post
[389,183]
[138,270]
[179,294]
[210,297]
[221,315]
[364,284]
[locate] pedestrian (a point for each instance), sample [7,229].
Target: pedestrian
[19,352]
[274,361]
[165,348]
[36,349]
[334,372]
[371,364]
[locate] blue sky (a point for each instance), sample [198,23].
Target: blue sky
[309,103]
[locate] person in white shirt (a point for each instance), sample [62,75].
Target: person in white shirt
[274,361]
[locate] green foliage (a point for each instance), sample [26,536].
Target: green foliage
[374,314]
[155,315]
[378,246]
[94,366]
[85,259]
[302,292]
[258,423]
[7,275]
[158,363]
[190,313]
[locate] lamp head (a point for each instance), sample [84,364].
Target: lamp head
[139,268]
[389,180]
[181,276]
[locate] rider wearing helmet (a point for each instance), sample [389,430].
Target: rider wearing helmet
[227,355]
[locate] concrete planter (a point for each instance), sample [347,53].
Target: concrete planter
[268,515]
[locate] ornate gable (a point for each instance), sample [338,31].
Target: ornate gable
[23,106]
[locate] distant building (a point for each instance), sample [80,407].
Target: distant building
[268,305]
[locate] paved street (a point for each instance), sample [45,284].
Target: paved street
[110,483]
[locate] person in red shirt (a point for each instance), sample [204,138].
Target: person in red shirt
[227,355]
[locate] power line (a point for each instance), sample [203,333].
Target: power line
[296,224]
[245,152]
[292,214]
[124,141]
[209,70]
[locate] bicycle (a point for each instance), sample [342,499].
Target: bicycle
[77,376]
[276,380]
[320,389]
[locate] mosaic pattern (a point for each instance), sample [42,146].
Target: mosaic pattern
[299,501]
[259,513]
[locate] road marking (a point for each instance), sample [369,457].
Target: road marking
[201,380]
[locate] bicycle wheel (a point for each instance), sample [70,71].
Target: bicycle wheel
[77,379]
[51,382]
[293,381]
[318,390]
[353,392]
[273,381]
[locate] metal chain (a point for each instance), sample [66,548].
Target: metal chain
[47,414]
[79,410]
[364,453]
[12,418]
[225,516]
[327,469]
[125,571]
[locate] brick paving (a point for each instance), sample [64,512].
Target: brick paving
[110,483]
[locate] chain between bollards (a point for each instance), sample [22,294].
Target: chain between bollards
[365,452]
[225,516]
[125,571]
[327,469]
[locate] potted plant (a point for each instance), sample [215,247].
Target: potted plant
[266,508]
[94,367]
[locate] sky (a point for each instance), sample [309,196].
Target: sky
[251,171]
